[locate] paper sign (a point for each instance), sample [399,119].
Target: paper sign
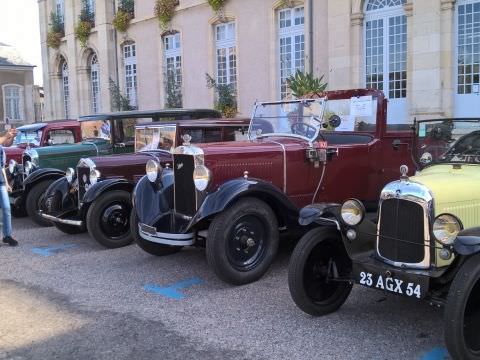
[361,106]
[347,124]
[476,88]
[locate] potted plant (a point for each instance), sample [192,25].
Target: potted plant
[302,84]
[56,31]
[226,97]
[125,14]
[86,21]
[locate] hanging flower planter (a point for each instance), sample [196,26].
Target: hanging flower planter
[82,32]
[125,14]
[217,5]
[164,11]
[56,32]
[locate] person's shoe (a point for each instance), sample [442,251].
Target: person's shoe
[10,241]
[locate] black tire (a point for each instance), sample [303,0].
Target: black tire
[18,212]
[108,219]
[148,246]
[462,312]
[308,270]
[69,229]
[243,241]
[33,203]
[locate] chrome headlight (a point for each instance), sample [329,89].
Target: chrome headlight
[352,212]
[70,174]
[153,169]
[12,164]
[28,167]
[446,228]
[201,177]
[94,175]
[33,155]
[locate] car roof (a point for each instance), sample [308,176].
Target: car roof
[38,126]
[155,114]
[208,122]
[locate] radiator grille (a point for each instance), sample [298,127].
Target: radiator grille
[185,193]
[401,231]
[83,174]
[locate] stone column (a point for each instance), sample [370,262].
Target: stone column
[447,15]
[83,101]
[356,50]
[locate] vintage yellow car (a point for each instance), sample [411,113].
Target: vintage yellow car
[423,242]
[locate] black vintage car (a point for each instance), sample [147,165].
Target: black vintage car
[96,196]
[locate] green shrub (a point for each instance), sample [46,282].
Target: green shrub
[302,84]
[165,10]
[225,97]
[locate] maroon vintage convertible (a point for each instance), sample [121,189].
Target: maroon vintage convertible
[236,197]
[96,197]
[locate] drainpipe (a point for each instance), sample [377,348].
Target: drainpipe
[310,30]
[115,39]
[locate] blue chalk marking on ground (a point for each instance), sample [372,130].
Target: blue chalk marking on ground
[172,291]
[51,250]
[437,353]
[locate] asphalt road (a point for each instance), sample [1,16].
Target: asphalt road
[66,297]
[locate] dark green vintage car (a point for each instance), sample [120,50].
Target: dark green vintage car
[102,134]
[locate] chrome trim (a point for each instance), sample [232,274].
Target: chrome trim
[421,195]
[167,238]
[78,223]
[94,145]
[86,161]
[284,164]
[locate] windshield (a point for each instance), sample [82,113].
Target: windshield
[448,141]
[99,129]
[28,137]
[292,118]
[155,138]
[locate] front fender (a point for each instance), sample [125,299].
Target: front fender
[468,241]
[324,214]
[230,191]
[58,198]
[101,187]
[42,174]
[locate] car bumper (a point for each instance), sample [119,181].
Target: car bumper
[149,233]
[71,222]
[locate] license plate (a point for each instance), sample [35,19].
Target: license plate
[408,285]
[148,229]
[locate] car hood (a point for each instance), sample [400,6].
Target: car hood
[455,191]
[127,165]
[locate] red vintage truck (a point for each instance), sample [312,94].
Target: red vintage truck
[43,134]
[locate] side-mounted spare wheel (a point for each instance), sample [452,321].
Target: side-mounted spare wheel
[318,256]
[108,219]
[462,312]
[148,246]
[34,200]
[243,241]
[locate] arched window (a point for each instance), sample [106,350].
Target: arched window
[130,70]
[386,53]
[13,101]
[291,34]
[172,70]
[65,89]
[95,83]
[468,58]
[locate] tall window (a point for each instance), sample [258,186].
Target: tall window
[291,31]
[226,50]
[386,47]
[468,47]
[95,83]
[172,71]
[66,90]
[60,9]
[13,101]
[130,61]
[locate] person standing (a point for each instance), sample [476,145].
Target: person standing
[5,188]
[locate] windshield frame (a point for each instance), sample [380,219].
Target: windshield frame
[23,132]
[416,145]
[156,126]
[322,101]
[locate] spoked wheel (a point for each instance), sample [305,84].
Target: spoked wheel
[462,312]
[148,246]
[108,219]
[318,257]
[243,241]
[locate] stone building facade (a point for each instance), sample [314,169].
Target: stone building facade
[425,54]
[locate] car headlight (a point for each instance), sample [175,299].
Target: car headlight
[153,169]
[352,212]
[446,228]
[12,164]
[28,167]
[201,177]
[94,175]
[70,174]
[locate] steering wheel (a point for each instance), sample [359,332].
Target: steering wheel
[300,128]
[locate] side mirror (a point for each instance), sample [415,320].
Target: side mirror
[334,121]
